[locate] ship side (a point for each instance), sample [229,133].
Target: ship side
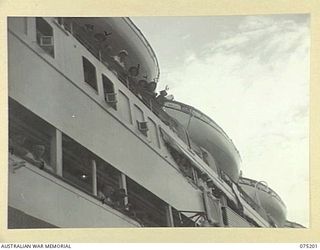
[89,148]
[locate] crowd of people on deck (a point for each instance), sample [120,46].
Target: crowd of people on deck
[143,89]
[138,85]
[130,76]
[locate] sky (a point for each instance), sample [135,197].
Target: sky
[250,74]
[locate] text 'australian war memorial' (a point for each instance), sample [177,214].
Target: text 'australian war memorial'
[93,145]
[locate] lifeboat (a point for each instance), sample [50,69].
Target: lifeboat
[109,36]
[207,134]
[268,199]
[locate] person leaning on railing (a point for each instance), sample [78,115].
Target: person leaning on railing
[16,147]
[119,65]
[121,58]
[104,194]
[112,196]
[36,157]
[133,73]
[147,92]
[161,98]
[13,163]
[117,198]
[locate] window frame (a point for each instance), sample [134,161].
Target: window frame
[107,82]
[40,21]
[85,64]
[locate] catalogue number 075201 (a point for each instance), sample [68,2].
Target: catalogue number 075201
[308,246]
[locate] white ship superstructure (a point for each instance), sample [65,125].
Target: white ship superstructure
[91,144]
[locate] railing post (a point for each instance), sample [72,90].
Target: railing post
[170,222]
[56,151]
[94,177]
[123,184]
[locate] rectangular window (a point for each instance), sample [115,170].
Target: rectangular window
[89,72]
[109,188]
[109,94]
[145,207]
[107,176]
[89,173]
[138,113]
[141,124]
[45,36]
[30,137]
[77,164]
[124,107]
[153,132]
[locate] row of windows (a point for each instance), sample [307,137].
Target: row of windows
[121,103]
[115,101]
[81,168]
[33,140]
